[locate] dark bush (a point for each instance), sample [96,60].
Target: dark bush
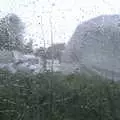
[53,96]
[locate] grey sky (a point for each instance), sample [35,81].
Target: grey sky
[66,15]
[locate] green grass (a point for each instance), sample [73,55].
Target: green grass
[53,96]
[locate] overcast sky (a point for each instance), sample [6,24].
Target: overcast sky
[65,15]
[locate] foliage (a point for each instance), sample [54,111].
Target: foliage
[28,48]
[53,96]
[40,52]
[11,30]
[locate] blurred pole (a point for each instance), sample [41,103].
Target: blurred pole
[44,52]
[51,80]
[51,33]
